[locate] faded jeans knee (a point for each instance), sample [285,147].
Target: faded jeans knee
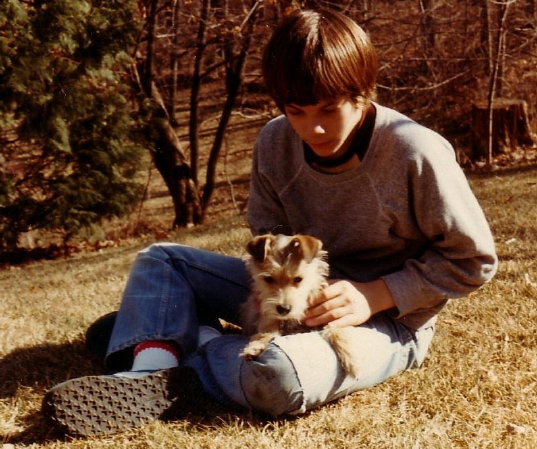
[270,383]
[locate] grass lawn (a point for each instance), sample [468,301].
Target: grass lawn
[477,389]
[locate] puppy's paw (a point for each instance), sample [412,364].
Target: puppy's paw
[257,345]
[252,350]
[343,343]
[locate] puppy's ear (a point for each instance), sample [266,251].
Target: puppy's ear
[305,247]
[259,247]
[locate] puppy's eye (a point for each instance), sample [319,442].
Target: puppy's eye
[268,279]
[297,279]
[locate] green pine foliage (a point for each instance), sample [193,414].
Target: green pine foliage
[68,133]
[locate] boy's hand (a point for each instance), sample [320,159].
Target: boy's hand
[346,303]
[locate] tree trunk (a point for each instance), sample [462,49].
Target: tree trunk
[193,125]
[511,127]
[146,72]
[174,62]
[234,66]
[495,78]
[173,168]
[428,24]
[428,36]
[172,165]
[167,154]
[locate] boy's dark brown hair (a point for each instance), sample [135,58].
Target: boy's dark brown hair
[319,55]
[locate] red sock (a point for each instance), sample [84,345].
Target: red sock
[154,355]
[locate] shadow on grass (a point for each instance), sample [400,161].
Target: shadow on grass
[38,431]
[40,367]
[29,372]
[502,171]
[32,371]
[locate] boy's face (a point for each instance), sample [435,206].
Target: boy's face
[328,126]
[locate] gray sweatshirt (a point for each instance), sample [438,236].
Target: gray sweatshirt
[406,214]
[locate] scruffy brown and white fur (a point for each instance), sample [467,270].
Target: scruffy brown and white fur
[287,271]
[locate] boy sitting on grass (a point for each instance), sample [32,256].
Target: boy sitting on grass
[384,194]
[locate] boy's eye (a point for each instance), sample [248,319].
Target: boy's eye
[329,109]
[294,112]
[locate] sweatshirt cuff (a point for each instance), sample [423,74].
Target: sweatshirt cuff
[409,294]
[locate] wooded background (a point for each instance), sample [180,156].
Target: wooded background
[91,88]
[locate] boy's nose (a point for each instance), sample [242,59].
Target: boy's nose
[318,129]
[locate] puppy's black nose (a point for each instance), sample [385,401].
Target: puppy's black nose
[283,310]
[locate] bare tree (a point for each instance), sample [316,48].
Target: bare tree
[174,60]
[497,69]
[226,39]
[234,64]
[193,127]
[166,150]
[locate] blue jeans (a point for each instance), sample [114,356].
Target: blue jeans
[173,289]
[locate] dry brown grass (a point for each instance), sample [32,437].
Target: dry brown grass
[478,388]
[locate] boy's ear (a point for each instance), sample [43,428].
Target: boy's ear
[304,247]
[259,246]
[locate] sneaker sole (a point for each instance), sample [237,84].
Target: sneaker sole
[100,405]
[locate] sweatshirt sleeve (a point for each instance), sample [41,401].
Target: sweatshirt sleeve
[265,212]
[461,256]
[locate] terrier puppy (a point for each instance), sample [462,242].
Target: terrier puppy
[287,271]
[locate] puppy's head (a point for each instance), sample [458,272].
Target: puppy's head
[286,272]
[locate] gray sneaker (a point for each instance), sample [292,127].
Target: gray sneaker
[99,405]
